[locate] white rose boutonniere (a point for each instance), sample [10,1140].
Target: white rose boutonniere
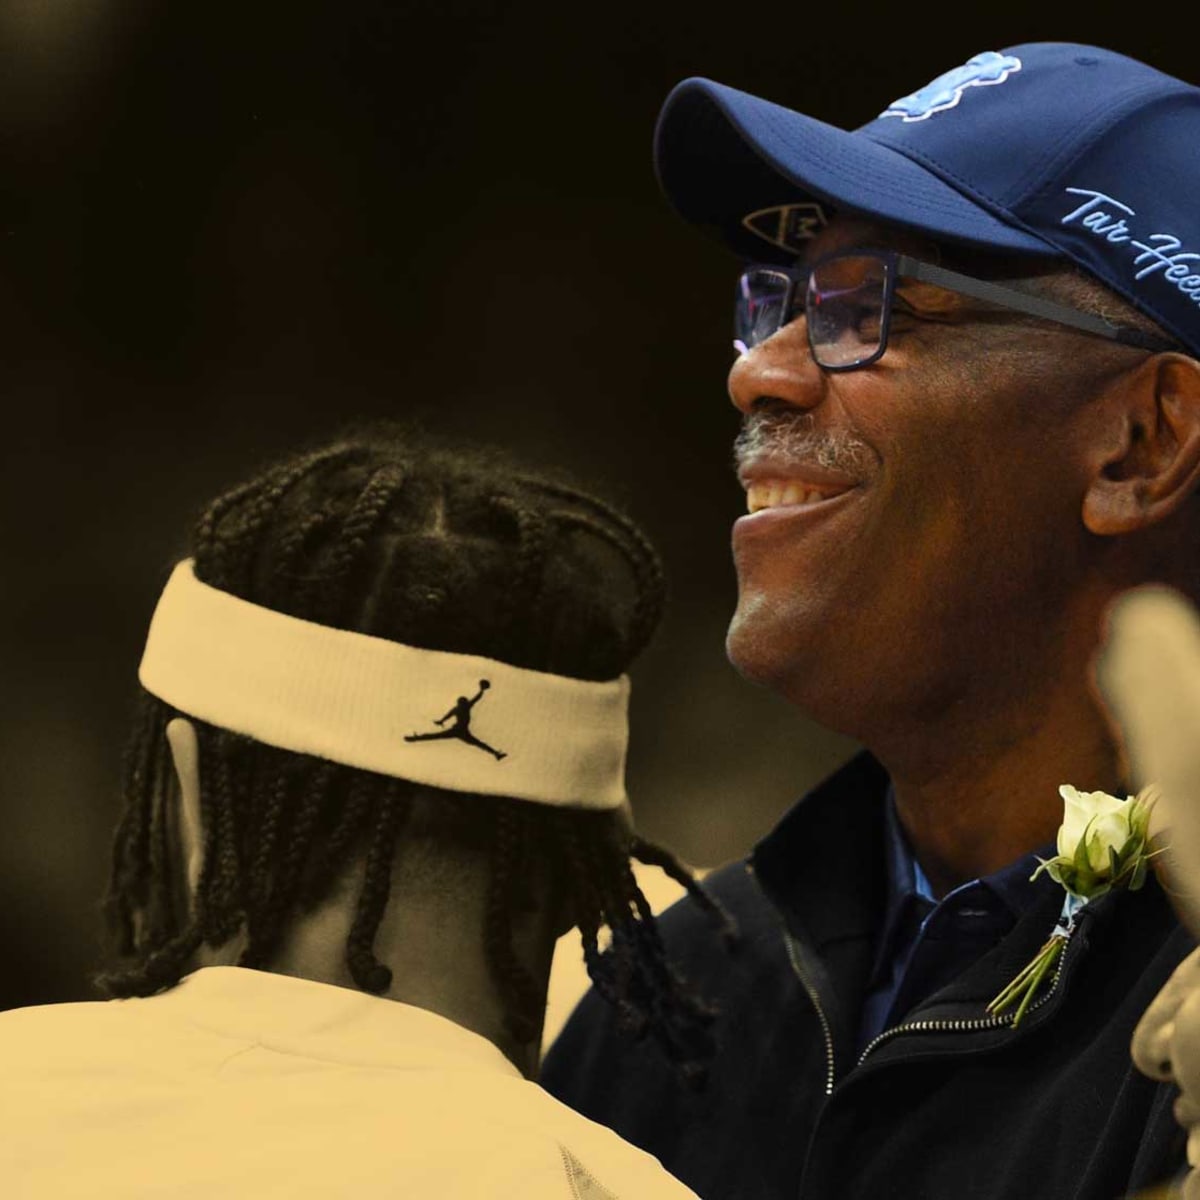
[1103,843]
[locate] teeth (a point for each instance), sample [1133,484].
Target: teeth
[775,493]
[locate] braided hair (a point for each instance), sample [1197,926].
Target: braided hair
[452,549]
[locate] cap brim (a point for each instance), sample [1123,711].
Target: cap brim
[722,155]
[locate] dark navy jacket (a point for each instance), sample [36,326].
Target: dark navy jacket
[951,1104]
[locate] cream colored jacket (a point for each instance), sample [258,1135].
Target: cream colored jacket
[241,1083]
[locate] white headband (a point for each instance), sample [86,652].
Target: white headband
[450,720]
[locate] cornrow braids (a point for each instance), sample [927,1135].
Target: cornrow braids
[354,812]
[261,939]
[648,608]
[130,874]
[519,988]
[291,549]
[614,526]
[532,535]
[369,973]
[276,876]
[259,500]
[452,549]
[658,856]
[160,916]
[367,510]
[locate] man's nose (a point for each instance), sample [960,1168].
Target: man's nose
[779,368]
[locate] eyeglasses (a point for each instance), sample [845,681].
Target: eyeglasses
[847,298]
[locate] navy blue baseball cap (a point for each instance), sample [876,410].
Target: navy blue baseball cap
[1051,149]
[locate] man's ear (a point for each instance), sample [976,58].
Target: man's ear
[1150,465]
[185,752]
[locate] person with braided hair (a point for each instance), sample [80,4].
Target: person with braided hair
[332,940]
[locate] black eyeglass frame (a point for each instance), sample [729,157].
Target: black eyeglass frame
[902,266]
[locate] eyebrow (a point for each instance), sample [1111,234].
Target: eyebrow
[896,240]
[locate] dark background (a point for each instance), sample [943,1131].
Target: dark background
[229,228]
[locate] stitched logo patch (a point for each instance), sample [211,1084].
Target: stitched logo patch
[946,90]
[461,729]
[787,225]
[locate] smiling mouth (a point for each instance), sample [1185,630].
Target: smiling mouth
[786,493]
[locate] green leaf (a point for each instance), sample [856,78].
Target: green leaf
[1085,881]
[1139,874]
[1140,820]
[1044,864]
[1054,867]
[1080,857]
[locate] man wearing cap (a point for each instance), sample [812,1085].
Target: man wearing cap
[967,337]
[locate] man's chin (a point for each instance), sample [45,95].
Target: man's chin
[781,665]
[755,657]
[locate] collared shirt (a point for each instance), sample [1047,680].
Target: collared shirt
[924,942]
[240,1083]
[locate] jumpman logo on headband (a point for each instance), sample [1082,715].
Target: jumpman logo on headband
[461,729]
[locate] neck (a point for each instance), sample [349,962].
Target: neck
[439,963]
[975,795]
[432,939]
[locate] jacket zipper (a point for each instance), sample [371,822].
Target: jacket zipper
[793,951]
[941,1026]
[977,1023]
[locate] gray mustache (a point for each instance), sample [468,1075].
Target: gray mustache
[793,438]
